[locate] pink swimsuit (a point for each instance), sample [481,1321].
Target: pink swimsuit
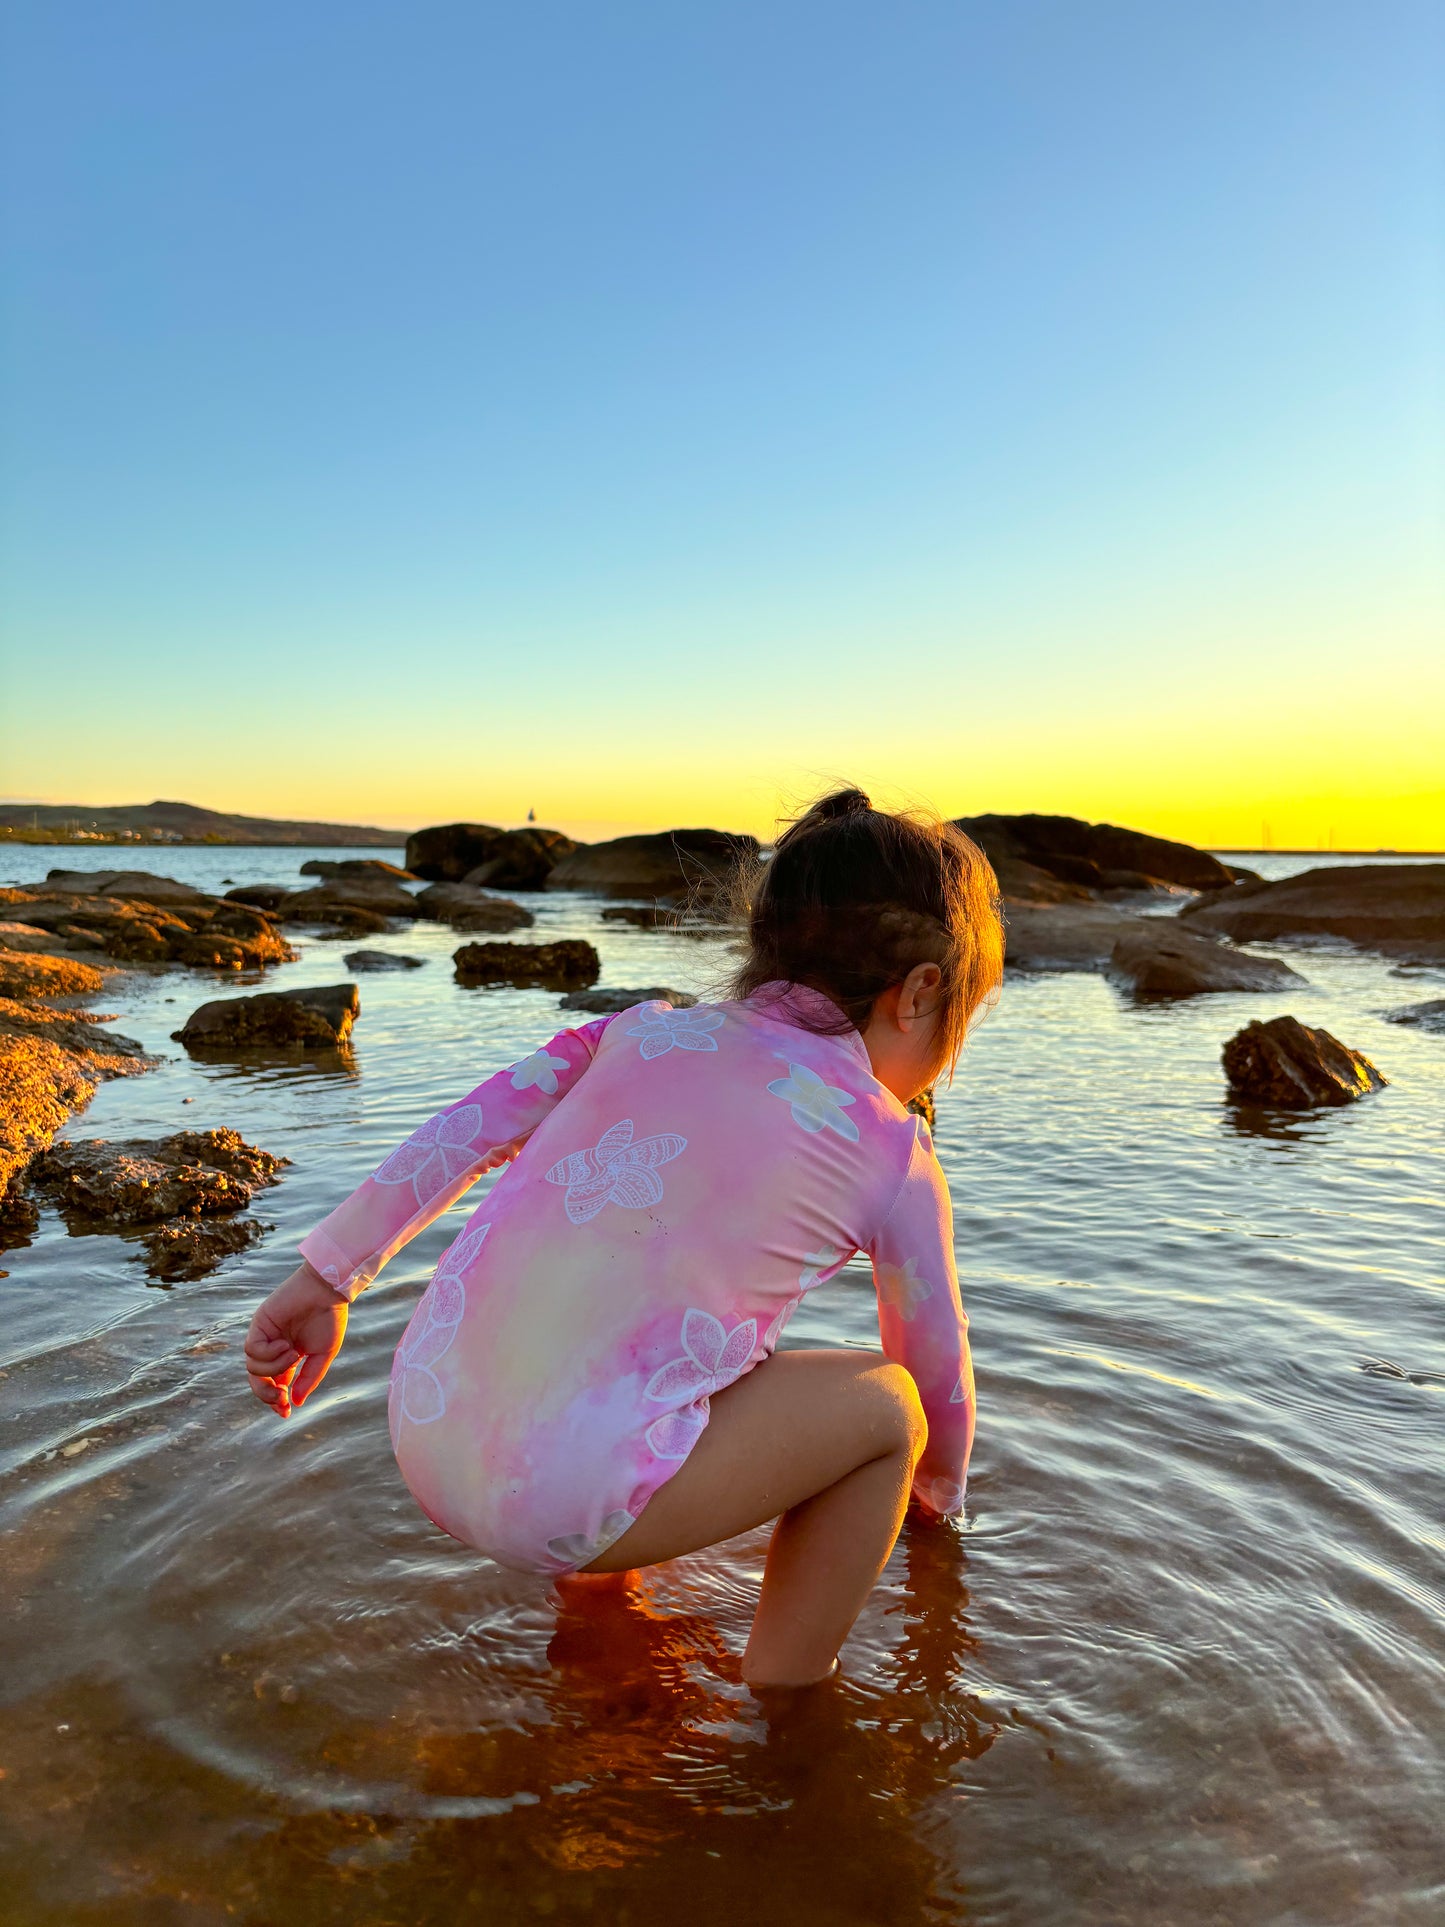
[681,1179]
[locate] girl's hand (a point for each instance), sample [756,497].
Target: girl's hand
[293,1338]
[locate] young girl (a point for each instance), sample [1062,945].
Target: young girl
[590,1381]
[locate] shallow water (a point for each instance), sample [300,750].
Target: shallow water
[1185,1662]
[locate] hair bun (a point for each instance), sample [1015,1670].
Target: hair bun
[842,803]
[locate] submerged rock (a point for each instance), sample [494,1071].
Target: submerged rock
[381,960]
[1286,1064]
[568,965]
[191,1248]
[602,1003]
[1091,856]
[1160,960]
[674,864]
[467,908]
[1427,1016]
[315,1017]
[1397,907]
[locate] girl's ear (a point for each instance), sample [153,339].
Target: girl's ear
[918,993]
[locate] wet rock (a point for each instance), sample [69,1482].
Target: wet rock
[141,1182]
[40,1085]
[1286,1064]
[355,866]
[1158,959]
[381,960]
[129,884]
[467,908]
[447,852]
[1092,856]
[1427,1016]
[1396,907]
[675,865]
[320,1017]
[24,974]
[522,860]
[19,1216]
[191,1248]
[1064,936]
[259,896]
[350,920]
[568,965]
[106,1052]
[382,896]
[202,932]
[601,1003]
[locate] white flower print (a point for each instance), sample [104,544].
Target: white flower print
[944,1496]
[901,1287]
[576,1549]
[443,1150]
[711,1358]
[816,1105]
[415,1387]
[616,1171]
[539,1071]
[827,1258]
[662,1029]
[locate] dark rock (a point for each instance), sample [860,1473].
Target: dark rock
[1395,907]
[211,933]
[923,1106]
[1063,936]
[350,920]
[381,960]
[260,896]
[467,908]
[568,965]
[382,896]
[675,865]
[191,1248]
[19,1216]
[318,1017]
[140,1182]
[642,916]
[355,866]
[1158,959]
[1285,1064]
[1094,856]
[449,851]
[602,1003]
[1427,1016]
[522,860]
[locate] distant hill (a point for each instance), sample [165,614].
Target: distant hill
[175,823]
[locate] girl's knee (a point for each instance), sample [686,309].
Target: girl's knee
[901,1408]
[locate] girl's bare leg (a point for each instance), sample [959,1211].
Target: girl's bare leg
[828,1440]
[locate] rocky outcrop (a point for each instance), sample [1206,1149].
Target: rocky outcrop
[124,885]
[467,908]
[1285,1064]
[199,932]
[1091,856]
[105,1053]
[25,936]
[641,916]
[40,1085]
[675,865]
[25,974]
[260,896]
[381,960]
[315,1018]
[602,1003]
[447,852]
[166,1187]
[354,867]
[331,901]
[1076,936]
[1158,959]
[522,860]
[1378,906]
[568,965]
[1427,1016]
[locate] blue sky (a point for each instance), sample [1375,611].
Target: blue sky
[650,412]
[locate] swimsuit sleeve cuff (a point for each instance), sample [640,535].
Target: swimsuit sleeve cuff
[332,1264]
[941,1495]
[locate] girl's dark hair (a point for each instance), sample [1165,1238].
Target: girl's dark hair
[854,897]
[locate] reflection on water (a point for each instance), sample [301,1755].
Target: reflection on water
[1185,1664]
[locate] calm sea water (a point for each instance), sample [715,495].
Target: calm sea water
[1184,1663]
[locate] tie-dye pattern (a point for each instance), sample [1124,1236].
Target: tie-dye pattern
[662,1215]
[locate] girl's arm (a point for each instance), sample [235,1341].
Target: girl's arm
[297,1332]
[443,1159]
[923,1324]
